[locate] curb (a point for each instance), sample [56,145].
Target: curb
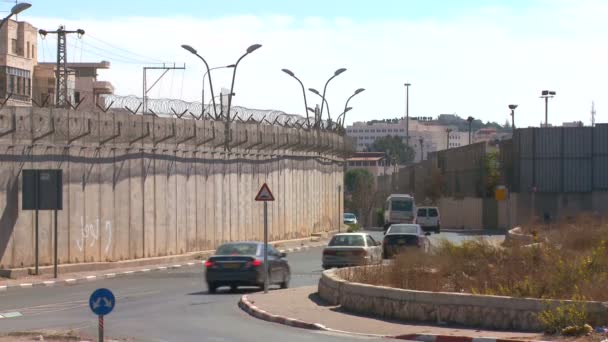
[256,312]
[109,275]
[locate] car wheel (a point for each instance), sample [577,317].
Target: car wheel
[212,287]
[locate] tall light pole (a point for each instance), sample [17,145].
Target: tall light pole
[306,109]
[18,8]
[546,94]
[512,107]
[336,73]
[249,50]
[205,76]
[470,121]
[338,125]
[407,112]
[448,131]
[194,52]
[341,122]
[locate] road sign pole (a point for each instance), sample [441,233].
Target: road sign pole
[55,252]
[265,247]
[36,223]
[101,328]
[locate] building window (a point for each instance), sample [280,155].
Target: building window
[33,51]
[14,46]
[77,97]
[28,49]
[11,84]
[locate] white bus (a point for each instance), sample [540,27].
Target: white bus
[399,209]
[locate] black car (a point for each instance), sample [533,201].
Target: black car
[400,237]
[242,264]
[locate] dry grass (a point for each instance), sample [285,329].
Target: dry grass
[573,263]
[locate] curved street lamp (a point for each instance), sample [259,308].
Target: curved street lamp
[315,91]
[336,73]
[339,127]
[194,52]
[306,109]
[18,8]
[470,120]
[357,92]
[249,50]
[512,107]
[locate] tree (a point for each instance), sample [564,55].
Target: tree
[507,124]
[395,148]
[361,185]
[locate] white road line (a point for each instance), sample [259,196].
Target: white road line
[176,266]
[128,272]
[161,268]
[190,264]
[24,285]
[69,281]
[3,288]
[110,275]
[49,283]
[146,270]
[11,314]
[91,277]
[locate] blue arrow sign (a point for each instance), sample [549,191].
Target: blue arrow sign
[102,302]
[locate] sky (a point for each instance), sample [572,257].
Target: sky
[468,57]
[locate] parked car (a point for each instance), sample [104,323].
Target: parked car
[429,219]
[400,237]
[399,209]
[351,249]
[242,264]
[350,218]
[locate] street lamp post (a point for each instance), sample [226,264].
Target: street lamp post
[205,76]
[448,131]
[324,101]
[194,52]
[546,94]
[249,50]
[407,112]
[306,109]
[512,107]
[18,8]
[340,127]
[341,121]
[336,73]
[470,121]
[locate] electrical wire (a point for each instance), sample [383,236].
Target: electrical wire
[124,50]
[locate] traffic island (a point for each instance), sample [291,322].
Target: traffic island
[303,308]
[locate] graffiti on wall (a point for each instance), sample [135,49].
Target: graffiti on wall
[90,233]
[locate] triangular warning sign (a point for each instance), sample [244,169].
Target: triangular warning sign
[264,194]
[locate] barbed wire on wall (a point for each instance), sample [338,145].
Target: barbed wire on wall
[180,108]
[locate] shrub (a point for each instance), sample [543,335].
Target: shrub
[568,319]
[353,228]
[380,217]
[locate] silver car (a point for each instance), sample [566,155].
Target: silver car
[352,249]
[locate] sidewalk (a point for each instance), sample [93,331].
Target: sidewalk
[303,305]
[78,273]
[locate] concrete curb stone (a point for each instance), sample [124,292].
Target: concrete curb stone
[256,312]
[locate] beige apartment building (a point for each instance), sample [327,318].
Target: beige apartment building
[25,82]
[18,58]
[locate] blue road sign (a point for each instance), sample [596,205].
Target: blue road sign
[102,302]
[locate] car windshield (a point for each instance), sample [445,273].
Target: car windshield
[401,205]
[403,229]
[237,249]
[421,212]
[349,216]
[433,212]
[347,240]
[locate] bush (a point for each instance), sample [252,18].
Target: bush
[380,217]
[353,228]
[568,319]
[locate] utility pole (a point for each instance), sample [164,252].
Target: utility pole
[61,72]
[593,114]
[448,131]
[407,113]
[145,89]
[546,94]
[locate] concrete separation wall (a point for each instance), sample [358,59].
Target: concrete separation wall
[142,186]
[489,312]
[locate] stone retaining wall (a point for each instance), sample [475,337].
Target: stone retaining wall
[488,312]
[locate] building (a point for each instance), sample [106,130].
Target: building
[378,163]
[573,124]
[18,58]
[491,135]
[84,89]
[434,136]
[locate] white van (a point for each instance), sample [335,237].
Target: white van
[429,219]
[399,209]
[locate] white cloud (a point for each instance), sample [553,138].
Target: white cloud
[472,64]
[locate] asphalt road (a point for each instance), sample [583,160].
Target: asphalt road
[169,305]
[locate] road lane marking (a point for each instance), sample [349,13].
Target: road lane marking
[91,277]
[49,283]
[26,285]
[70,281]
[190,264]
[176,266]
[3,288]
[128,272]
[110,275]
[146,270]
[161,268]
[13,314]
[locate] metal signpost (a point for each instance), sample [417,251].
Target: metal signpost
[265,195]
[42,190]
[102,302]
